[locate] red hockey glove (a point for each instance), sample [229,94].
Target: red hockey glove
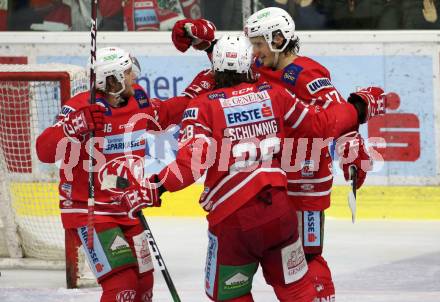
[351,151]
[84,120]
[140,196]
[202,83]
[197,32]
[369,102]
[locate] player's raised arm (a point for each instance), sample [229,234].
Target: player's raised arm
[170,111]
[194,144]
[75,120]
[310,121]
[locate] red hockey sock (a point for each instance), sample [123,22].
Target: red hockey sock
[322,279]
[145,288]
[299,291]
[120,286]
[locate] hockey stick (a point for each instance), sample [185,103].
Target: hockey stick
[91,199]
[352,193]
[112,181]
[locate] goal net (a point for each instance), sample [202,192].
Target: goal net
[30,224]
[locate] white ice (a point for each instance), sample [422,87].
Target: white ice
[371,261]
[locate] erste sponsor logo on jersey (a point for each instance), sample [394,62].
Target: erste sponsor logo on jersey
[190,114]
[126,142]
[319,84]
[312,228]
[252,130]
[291,73]
[248,114]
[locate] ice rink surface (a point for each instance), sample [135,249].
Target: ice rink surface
[371,261]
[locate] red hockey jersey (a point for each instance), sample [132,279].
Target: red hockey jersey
[236,134]
[309,185]
[120,150]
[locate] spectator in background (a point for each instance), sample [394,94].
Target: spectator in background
[3,15]
[420,14]
[361,14]
[307,15]
[226,15]
[109,15]
[25,13]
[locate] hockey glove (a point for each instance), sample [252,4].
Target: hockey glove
[84,120]
[369,102]
[351,150]
[202,83]
[196,32]
[140,196]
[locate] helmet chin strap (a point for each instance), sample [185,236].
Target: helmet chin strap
[117,95]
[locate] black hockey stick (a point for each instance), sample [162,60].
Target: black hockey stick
[122,183]
[91,199]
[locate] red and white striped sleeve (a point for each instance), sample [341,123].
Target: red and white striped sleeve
[195,138]
[310,121]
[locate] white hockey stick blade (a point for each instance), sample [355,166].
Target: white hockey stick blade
[109,182]
[352,205]
[114,182]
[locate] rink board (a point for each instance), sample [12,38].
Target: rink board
[374,202]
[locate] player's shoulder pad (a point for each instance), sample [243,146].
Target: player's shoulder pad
[103,102]
[314,76]
[141,96]
[291,73]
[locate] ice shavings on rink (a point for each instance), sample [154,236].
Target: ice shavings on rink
[49,295]
[371,261]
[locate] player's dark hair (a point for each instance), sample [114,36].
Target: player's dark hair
[111,82]
[230,78]
[292,45]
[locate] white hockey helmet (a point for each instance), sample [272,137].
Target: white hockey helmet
[267,22]
[111,61]
[232,52]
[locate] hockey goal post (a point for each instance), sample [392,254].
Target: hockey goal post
[30,223]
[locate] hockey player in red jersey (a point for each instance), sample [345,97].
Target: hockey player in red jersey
[120,258]
[235,133]
[272,33]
